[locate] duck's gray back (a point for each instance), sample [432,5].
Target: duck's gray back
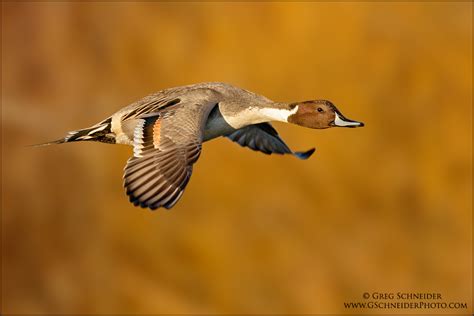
[231,101]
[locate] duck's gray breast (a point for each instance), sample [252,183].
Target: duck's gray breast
[216,125]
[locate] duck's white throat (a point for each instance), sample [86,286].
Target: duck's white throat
[280,115]
[255,115]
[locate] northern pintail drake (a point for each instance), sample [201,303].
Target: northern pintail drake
[167,129]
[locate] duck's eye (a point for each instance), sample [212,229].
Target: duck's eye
[320,110]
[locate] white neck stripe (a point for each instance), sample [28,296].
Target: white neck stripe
[255,115]
[280,115]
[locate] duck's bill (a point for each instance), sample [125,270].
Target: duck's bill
[341,121]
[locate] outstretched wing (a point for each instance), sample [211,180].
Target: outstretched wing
[165,147]
[263,137]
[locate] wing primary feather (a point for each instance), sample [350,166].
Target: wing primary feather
[153,190]
[178,192]
[264,138]
[155,175]
[159,198]
[304,155]
[166,187]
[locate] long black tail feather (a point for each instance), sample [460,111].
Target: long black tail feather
[99,133]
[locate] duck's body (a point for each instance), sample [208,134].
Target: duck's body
[236,108]
[166,130]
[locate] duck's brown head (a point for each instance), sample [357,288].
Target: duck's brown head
[319,114]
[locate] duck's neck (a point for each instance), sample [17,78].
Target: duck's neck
[277,111]
[242,116]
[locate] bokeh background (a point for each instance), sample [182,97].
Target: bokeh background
[383,208]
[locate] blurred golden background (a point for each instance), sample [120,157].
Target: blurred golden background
[383,208]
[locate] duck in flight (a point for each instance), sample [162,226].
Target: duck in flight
[167,129]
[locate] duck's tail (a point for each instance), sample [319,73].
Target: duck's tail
[100,133]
